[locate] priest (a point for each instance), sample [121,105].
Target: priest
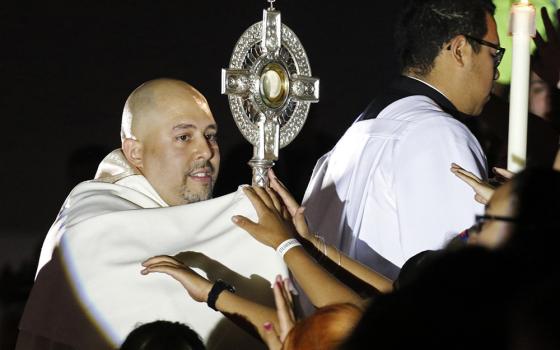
[150,197]
[383,193]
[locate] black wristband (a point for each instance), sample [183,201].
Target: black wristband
[218,287]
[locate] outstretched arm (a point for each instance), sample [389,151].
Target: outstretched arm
[228,303]
[274,228]
[362,272]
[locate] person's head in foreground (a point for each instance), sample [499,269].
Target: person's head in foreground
[163,335]
[326,329]
[523,212]
[169,134]
[452,45]
[458,300]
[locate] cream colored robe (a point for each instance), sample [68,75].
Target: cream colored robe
[109,225]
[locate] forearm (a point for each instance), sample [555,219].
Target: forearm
[364,273]
[320,286]
[257,314]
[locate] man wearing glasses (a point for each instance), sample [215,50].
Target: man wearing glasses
[384,192]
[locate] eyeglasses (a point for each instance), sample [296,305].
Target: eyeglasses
[481,219]
[499,50]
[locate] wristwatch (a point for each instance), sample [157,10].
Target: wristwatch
[218,287]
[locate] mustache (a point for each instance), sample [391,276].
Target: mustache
[201,164]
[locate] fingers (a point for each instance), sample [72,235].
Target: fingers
[549,27]
[455,166]
[161,267]
[539,41]
[483,190]
[503,172]
[283,308]
[261,198]
[286,213]
[275,199]
[161,258]
[287,291]
[270,337]
[245,223]
[263,195]
[480,199]
[180,273]
[264,198]
[467,177]
[255,199]
[464,174]
[300,223]
[283,192]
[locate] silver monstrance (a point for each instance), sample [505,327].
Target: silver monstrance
[269,87]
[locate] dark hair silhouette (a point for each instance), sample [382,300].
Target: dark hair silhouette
[163,335]
[425,25]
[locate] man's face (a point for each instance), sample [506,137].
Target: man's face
[539,97]
[483,71]
[181,157]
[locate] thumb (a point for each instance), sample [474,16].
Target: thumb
[244,223]
[270,337]
[480,199]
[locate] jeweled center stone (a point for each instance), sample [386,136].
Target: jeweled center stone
[274,85]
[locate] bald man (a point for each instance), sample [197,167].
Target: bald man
[150,197]
[178,154]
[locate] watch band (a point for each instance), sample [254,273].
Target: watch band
[218,287]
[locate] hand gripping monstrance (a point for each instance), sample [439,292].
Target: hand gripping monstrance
[270,88]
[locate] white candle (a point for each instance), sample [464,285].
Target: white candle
[522,27]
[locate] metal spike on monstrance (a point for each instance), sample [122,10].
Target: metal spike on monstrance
[270,88]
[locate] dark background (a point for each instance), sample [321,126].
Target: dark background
[67,68]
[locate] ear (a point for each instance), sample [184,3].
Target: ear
[133,151]
[459,49]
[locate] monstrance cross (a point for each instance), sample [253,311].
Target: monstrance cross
[270,88]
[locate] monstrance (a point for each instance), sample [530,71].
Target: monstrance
[270,88]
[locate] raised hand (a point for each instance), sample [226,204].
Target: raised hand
[286,318]
[483,191]
[274,226]
[546,61]
[197,286]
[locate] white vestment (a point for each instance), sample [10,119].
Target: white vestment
[385,192]
[109,225]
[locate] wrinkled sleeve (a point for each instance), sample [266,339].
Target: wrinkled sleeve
[433,204]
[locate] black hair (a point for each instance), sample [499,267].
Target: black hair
[163,335]
[535,194]
[424,26]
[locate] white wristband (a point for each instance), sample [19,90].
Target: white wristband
[288,244]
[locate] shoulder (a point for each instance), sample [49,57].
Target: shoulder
[425,118]
[91,198]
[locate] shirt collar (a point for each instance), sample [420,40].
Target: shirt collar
[418,86]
